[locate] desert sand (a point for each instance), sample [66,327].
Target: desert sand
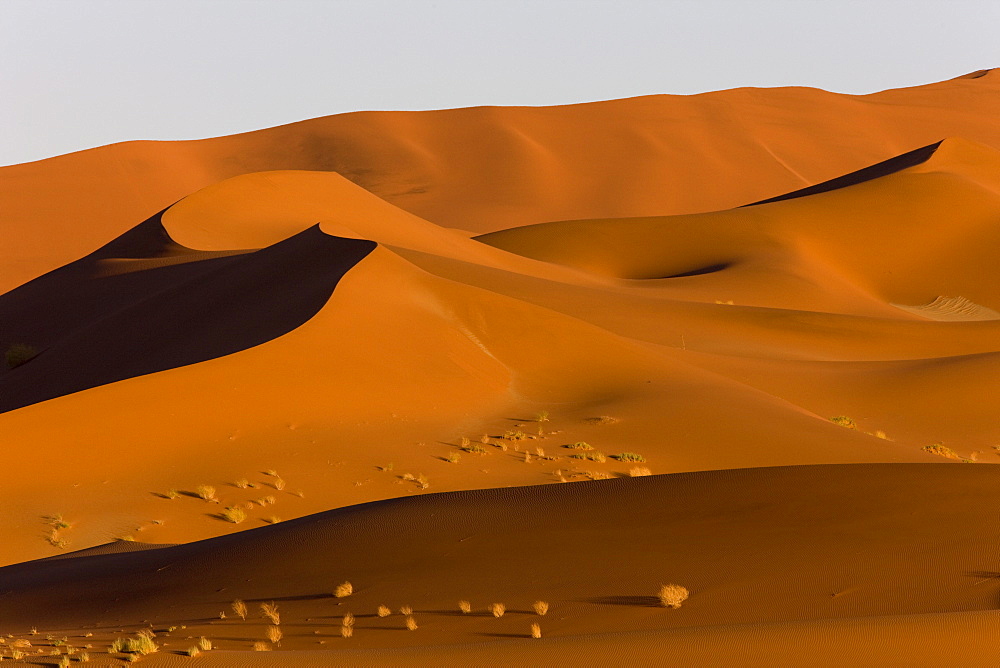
[742,342]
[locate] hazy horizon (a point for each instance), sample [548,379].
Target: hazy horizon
[76,75]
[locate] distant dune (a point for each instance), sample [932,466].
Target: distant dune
[738,342]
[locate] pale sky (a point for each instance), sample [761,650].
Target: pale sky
[81,73]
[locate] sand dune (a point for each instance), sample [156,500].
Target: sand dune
[446,355]
[643,156]
[755,564]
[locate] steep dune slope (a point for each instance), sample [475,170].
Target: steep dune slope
[755,548]
[490,168]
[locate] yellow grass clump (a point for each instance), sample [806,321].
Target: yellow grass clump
[465,607]
[638,471]
[270,612]
[207,492]
[384,611]
[274,635]
[406,610]
[498,609]
[240,608]
[536,630]
[540,607]
[343,590]
[411,624]
[261,646]
[672,595]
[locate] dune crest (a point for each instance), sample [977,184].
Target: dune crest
[952,309]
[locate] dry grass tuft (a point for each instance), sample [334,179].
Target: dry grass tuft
[454,458]
[844,421]
[542,416]
[536,630]
[348,620]
[465,607]
[278,483]
[672,595]
[261,646]
[579,446]
[274,635]
[602,420]
[343,590]
[270,612]
[540,607]
[637,471]
[242,483]
[204,644]
[234,514]
[498,609]
[881,434]
[207,492]
[384,611]
[193,651]
[240,608]
[411,624]
[941,450]
[475,449]
[406,610]
[630,457]
[515,435]
[346,631]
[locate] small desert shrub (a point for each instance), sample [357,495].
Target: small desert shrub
[411,624]
[204,644]
[342,590]
[454,458]
[540,607]
[261,646]
[881,434]
[540,452]
[63,662]
[844,421]
[465,606]
[234,514]
[384,611]
[240,608]
[348,620]
[542,416]
[83,657]
[19,353]
[193,651]
[941,451]
[630,457]
[274,635]
[272,473]
[346,631]
[464,441]
[406,610]
[422,482]
[475,448]
[498,609]
[637,471]
[242,483]
[590,456]
[206,492]
[270,612]
[515,435]
[672,595]
[142,644]
[16,654]
[279,484]
[536,630]
[579,446]
[56,522]
[601,420]
[173,494]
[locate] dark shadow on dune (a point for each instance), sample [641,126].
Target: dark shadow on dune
[636,601]
[701,271]
[504,635]
[143,304]
[300,597]
[884,168]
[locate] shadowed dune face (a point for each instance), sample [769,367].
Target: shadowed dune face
[143,304]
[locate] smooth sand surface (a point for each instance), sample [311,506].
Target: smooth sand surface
[744,341]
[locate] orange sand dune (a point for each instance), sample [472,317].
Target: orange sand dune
[535,309]
[788,553]
[492,168]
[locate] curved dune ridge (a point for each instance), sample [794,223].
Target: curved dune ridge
[645,156]
[792,553]
[533,312]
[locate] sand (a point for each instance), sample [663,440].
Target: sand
[742,341]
